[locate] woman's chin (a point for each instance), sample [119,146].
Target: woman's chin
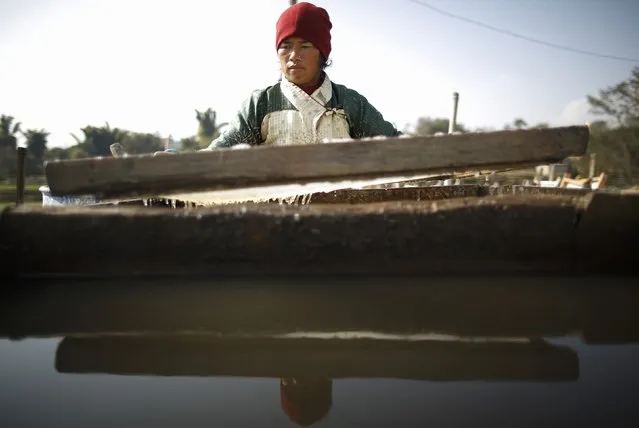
[297,78]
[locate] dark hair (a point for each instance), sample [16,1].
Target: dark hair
[324,63]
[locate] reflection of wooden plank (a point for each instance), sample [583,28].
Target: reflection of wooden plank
[199,356]
[601,310]
[266,166]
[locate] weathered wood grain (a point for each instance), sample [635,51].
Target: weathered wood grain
[192,355]
[493,233]
[481,235]
[145,175]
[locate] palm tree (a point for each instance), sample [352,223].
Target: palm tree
[8,132]
[36,148]
[36,143]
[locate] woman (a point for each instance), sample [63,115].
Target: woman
[304,107]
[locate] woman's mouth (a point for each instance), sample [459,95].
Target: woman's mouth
[296,71]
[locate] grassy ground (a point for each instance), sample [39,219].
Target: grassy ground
[8,194]
[13,204]
[12,187]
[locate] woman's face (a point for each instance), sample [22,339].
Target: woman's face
[299,61]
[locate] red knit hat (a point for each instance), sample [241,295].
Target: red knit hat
[308,22]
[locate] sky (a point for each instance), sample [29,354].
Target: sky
[146,65]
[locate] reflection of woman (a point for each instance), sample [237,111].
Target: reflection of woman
[306,400]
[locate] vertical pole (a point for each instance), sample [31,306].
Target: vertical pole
[591,169]
[453,122]
[22,155]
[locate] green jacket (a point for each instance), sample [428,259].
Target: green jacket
[274,107]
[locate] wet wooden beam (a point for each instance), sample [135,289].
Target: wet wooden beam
[598,310]
[487,235]
[145,175]
[492,234]
[189,355]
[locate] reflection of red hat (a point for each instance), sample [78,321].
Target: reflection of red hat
[306,401]
[308,22]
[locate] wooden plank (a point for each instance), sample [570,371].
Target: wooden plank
[603,310]
[145,175]
[514,233]
[193,355]
[476,235]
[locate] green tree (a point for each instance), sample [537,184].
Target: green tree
[56,153]
[517,123]
[484,129]
[615,139]
[520,123]
[97,141]
[616,153]
[619,102]
[208,128]
[36,148]
[430,126]
[190,144]
[141,143]
[541,125]
[78,152]
[9,130]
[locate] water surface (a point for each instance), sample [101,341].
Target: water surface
[474,362]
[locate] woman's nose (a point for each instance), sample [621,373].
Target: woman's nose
[294,55]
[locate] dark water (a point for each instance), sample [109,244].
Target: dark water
[526,352]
